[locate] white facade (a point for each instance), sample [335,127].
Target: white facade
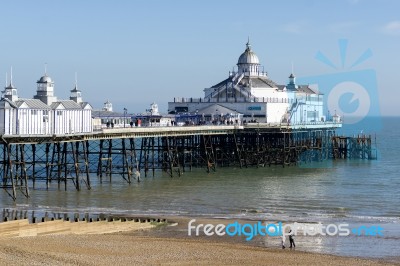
[249,91]
[106,118]
[70,118]
[8,117]
[32,121]
[43,115]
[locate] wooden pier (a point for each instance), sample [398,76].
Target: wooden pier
[133,152]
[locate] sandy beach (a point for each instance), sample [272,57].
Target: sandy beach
[154,246]
[126,249]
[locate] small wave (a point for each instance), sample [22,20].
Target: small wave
[363,218]
[251,211]
[20,205]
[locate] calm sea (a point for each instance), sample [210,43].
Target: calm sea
[355,192]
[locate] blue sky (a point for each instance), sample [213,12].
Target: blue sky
[137,52]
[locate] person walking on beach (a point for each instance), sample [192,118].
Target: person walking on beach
[291,239]
[283,241]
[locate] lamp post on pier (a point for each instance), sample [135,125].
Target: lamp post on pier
[125,112]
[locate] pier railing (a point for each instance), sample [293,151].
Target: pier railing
[159,131]
[234,100]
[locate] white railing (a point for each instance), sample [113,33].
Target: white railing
[232,100]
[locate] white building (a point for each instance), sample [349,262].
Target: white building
[107,118]
[44,114]
[71,117]
[153,118]
[249,91]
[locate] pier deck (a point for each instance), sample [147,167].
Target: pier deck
[139,132]
[128,132]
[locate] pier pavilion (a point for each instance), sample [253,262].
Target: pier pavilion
[43,114]
[250,91]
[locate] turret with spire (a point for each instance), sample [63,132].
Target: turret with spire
[45,89]
[292,81]
[76,94]
[10,92]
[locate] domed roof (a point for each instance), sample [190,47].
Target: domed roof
[45,79]
[248,56]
